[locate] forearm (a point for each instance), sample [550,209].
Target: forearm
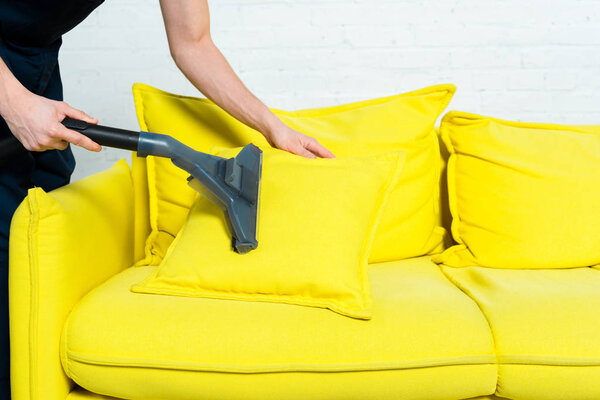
[187,23]
[208,70]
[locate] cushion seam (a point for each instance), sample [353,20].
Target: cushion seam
[300,367]
[468,294]
[548,360]
[265,297]
[517,124]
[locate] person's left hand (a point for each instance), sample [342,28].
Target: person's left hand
[288,139]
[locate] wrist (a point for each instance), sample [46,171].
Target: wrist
[270,125]
[12,93]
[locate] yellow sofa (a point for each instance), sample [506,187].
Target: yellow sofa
[437,332]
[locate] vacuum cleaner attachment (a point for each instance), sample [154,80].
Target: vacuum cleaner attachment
[232,184]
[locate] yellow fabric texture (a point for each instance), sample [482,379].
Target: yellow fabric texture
[546,328]
[426,339]
[81,394]
[317,221]
[62,245]
[403,122]
[139,176]
[444,215]
[522,195]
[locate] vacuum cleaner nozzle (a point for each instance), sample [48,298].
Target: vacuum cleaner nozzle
[241,177]
[232,184]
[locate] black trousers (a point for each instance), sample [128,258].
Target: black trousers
[37,69]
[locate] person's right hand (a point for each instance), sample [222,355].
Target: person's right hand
[36,123]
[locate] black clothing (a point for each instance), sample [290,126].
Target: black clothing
[30,38]
[39,23]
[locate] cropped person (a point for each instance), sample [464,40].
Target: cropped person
[31,106]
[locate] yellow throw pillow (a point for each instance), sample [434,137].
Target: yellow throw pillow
[522,195]
[317,221]
[410,225]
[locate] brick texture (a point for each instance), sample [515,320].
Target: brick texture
[529,61]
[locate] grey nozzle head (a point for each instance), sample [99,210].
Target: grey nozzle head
[232,184]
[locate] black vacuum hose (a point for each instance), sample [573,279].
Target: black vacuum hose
[103,135]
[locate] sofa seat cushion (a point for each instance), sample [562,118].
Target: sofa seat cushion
[425,336]
[82,394]
[546,327]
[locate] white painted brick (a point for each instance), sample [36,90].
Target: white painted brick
[575,102]
[484,80]
[562,79]
[513,59]
[379,36]
[485,57]
[278,37]
[275,14]
[378,13]
[526,80]
[559,57]
[517,103]
[587,81]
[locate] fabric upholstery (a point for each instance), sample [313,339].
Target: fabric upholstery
[317,221]
[444,215]
[82,394]
[426,339]
[63,244]
[405,122]
[522,195]
[546,328]
[139,176]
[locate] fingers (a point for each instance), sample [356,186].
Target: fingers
[301,151]
[71,136]
[316,148]
[296,142]
[76,138]
[77,114]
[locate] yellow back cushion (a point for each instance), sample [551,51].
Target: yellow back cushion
[522,195]
[410,225]
[318,219]
[444,215]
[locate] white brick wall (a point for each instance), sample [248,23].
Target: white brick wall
[531,60]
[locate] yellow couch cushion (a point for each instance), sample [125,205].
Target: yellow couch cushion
[403,122]
[427,339]
[317,221]
[546,328]
[82,394]
[522,195]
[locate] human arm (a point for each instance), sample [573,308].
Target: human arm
[187,23]
[35,120]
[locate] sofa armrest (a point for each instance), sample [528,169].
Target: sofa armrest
[62,245]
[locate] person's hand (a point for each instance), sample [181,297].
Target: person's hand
[288,139]
[36,123]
